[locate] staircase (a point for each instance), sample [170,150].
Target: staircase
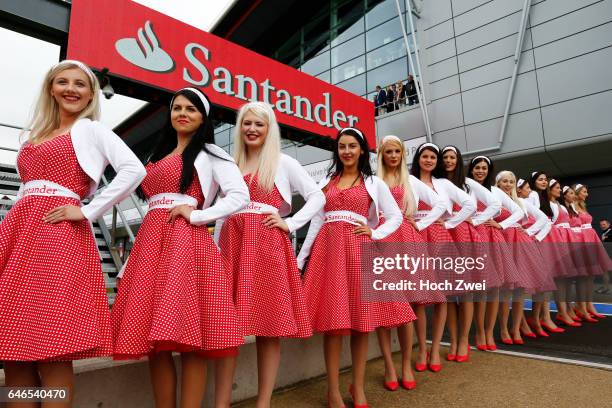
[9,185]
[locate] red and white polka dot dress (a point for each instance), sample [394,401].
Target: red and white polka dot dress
[527,272]
[333,276]
[599,260]
[53,303]
[261,264]
[406,233]
[174,294]
[498,257]
[409,234]
[584,252]
[472,244]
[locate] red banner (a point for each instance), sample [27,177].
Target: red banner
[139,43]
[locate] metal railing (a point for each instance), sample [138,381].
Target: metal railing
[111,234]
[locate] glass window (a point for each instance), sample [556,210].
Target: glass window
[222,138]
[348,70]
[383,34]
[317,64]
[388,74]
[325,76]
[347,32]
[386,53]
[356,85]
[348,50]
[383,12]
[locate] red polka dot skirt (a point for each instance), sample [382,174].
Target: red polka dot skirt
[401,311]
[333,276]
[262,268]
[498,257]
[174,294]
[53,303]
[528,273]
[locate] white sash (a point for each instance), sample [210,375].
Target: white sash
[170,200]
[47,189]
[586,226]
[345,216]
[254,207]
[563,225]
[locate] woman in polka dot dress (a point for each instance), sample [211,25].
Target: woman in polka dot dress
[536,224]
[333,277]
[52,294]
[597,255]
[393,170]
[426,165]
[255,243]
[563,268]
[174,294]
[528,276]
[461,309]
[480,178]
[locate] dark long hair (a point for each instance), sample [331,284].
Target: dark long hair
[457,177]
[336,167]
[570,208]
[542,194]
[488,181]
[167,142]
[415,169]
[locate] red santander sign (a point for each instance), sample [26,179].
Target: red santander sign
[136,42]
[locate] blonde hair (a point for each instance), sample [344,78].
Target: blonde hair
[510,175]
[400,174]
[46,115]
[270,152]
[578,202]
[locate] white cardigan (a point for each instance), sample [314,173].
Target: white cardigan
[480,193]
[96,147]
[291,177]
[217,173]
[422,192]
[507,202]
[542,225]
[450,193]
[534,199]
[382,201]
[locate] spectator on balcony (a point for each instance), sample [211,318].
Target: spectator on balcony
[400,95]
[411,91]
[390,98]
[381,100]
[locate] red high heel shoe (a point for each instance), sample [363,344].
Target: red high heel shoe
[576,318]
[482,347]
[534,327]
[570,324]
[464,359]
[434,368]
[597,315]
[491,347]
[421,367]
[451,357]
[507,341]
[391,385]
[352,392]
[585,318]
[409,385]
[519,342]
[550,329]
[531,335]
